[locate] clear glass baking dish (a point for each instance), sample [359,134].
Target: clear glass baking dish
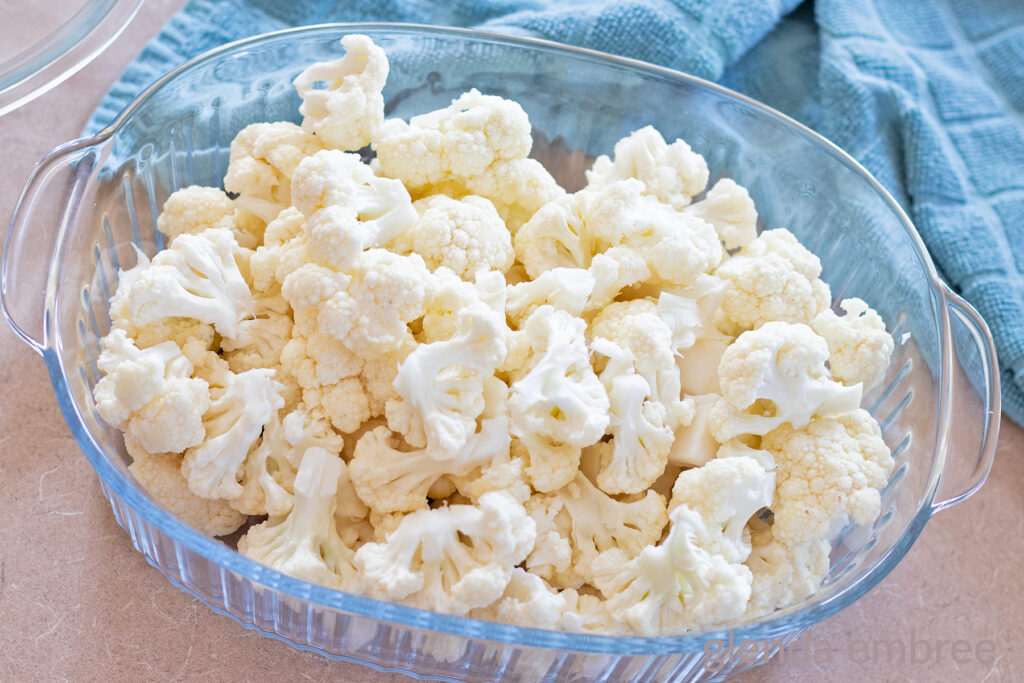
[44,43]
[89,200]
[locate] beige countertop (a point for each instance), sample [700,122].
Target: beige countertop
[78,603]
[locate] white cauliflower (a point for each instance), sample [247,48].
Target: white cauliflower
[527,601]
[348,113]
[234,421]
[457,142]
[347,207]
[282,252]
[464,235]
[557,404]
[369,310]
[636,327]
[773,375]
[677,585]
[848,452]
[196,277]
[859,348]
[450,559]
[726,493]
[729,208]
[442,384]
[306,544]
[671,173]
[262,160]
[476,146]
[613,271]
[151,394]
[579,521]
[160,475]
[783,574]
[566,289]
[773,278]
[194,209]
[638,451]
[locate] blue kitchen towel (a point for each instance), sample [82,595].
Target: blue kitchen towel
[929,96]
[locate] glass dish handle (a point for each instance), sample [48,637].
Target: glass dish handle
[971,442]
[50,196]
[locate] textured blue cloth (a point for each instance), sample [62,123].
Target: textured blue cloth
[929,96]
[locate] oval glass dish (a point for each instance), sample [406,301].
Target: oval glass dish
[90,200]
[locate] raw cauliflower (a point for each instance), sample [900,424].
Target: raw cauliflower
[848,452]
[671,173]
[446,382]
[773,278]
[262,160]
[348,113]
[451,559]
[557,405]
[859,348]
[151,394]
[579,521]
[773,375]
[463,235]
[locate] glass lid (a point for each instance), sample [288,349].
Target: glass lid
[44,43]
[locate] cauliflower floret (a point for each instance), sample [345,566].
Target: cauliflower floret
[347,207]
[563,232]
[613,271]
[260,339]
[151,394]
[677,585]
[282,252]
[675,247]
[847,452]
[368,311]
[268,479]
[772,278]
[234,421]
[193,209]
[566,289]
[306,544]
[527,601]
[636,327]
[442,384]
[457,142]
[586,613]
[858,345]
[477,146]
[783,574]
[729,208]
[579,521]
[773,375]
[348,113]
[726,493]
[160,475]
[638,452]
[196,277]
[392,480]
[306,427]
[671,173]
[464,235]
[450,559]
[557,404]
[518,188]
[262,161]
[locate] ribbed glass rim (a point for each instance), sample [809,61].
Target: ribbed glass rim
[794,618]
[60,54]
